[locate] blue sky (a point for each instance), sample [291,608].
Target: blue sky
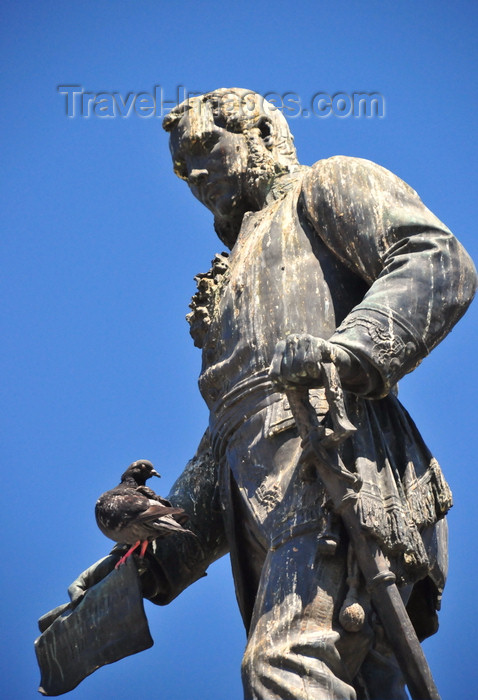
[100,243]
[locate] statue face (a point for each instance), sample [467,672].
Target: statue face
[214,164]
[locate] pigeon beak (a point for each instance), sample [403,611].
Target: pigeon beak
[155,473]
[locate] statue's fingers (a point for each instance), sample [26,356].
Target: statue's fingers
[299,360]
[313,358]
[288,357]
[275,370]
[322,350]
[93,575]
[48,618]
[312,367]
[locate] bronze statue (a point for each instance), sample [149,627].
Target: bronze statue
[338,282]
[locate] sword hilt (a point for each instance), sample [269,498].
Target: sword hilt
[316,440]
[342,428]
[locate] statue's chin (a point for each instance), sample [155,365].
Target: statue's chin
[228,227]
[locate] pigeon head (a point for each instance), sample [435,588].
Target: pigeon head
[139,472]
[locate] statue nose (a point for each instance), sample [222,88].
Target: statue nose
[197,176]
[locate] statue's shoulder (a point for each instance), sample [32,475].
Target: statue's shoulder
[348,176]
[349,167]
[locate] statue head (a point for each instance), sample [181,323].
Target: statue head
[230,145]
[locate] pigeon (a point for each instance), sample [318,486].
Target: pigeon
[134,514]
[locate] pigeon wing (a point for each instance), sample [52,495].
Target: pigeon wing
[115,509]
[161,520]
[146,491]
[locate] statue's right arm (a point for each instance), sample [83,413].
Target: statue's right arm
[171,564]
[419,279]
[178,560]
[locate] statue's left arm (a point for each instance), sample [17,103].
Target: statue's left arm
[421,280]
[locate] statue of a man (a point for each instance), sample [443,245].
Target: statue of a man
[338,262]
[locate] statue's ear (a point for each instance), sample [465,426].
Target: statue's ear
[265,130]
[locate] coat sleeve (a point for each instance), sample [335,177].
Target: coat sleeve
[421,280]
[178,560]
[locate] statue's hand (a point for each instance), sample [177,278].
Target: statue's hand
[298,359]
[150,579]
[151,582]
[93,575]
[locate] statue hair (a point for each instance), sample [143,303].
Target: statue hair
[270,145]
[244,111]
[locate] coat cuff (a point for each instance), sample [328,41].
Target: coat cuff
[382,337]
[172,564]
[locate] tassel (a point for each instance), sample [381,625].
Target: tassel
[352,614]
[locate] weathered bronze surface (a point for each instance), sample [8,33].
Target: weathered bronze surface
[338,281]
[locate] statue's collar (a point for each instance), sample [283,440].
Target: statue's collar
[283,184]
[280,186]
